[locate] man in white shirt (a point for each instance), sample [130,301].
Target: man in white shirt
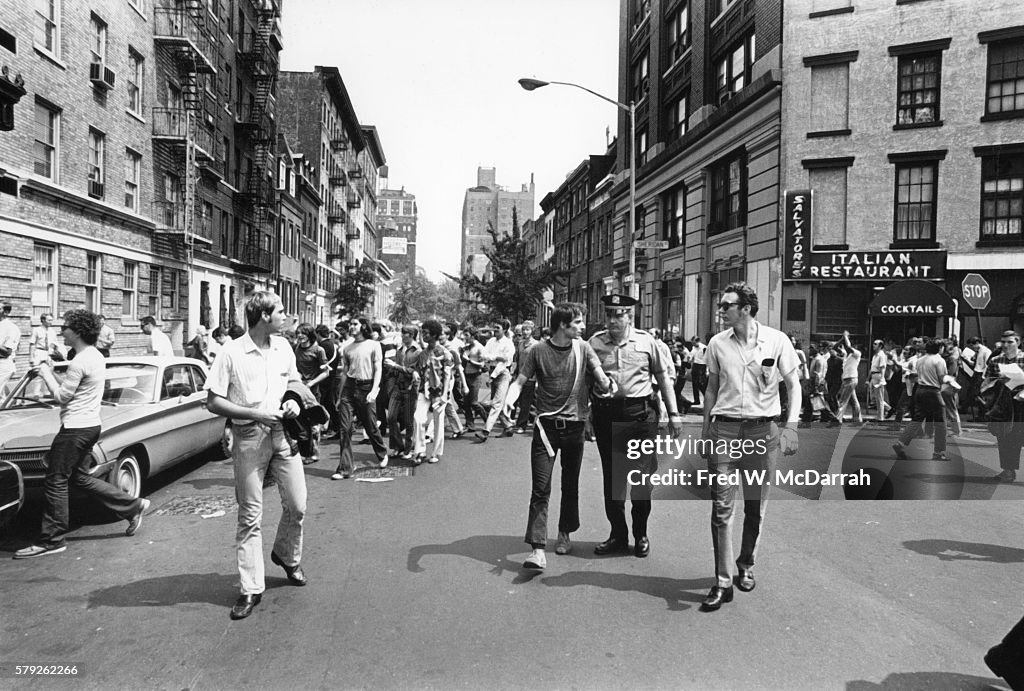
[848,389]
[10,335]
[246,384]
[159,343]
[80,395]
[500,351]
[43,345]
[699,373]
[747,363]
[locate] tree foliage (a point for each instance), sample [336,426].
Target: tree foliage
[414,298]
[514,290]
[355,290]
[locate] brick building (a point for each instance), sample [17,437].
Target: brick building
[904,121]
[706,81]
[490,205]
[75,220]
[397,218]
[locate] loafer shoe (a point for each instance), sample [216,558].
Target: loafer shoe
[612,544]
[294,573]
[536,560]
[898,450]
[564,545]
[244,605]
[745,581]
[1009,670]
[135,521]
[717,596]
[38,551]
[940,456]
[481,437]
[642,547]
[1006,476]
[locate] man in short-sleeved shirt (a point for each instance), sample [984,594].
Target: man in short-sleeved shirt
[10,335]
[247,383]
[746,365]
[159,343]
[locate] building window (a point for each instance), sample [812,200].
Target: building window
[136,78]
[154,291]
[407,209]
[641,78]
[641,144]
[47,139]
[916,187]
[44,280]
[675,217]
[1005,91]
[1002,197]
[98,39]
[171,290]
[129,289]
[132,173]
[641,9]
[733,69]
[92,283]
[47,27]
[679,31]
[675,118]
[918,97]
[96,145]
[729,193]
[830,201]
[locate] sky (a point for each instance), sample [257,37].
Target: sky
[438,78]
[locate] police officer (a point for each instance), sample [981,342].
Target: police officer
[630,357]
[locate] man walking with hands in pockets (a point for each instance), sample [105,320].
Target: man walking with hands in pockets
[247,382]
[746,364]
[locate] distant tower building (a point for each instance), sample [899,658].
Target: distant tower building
[396,218]
[486,203]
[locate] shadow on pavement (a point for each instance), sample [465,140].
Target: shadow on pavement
[953,550]
[166,591]
[492,550]
[674,591]
[926,681]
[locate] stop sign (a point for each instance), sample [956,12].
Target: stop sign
[976,291]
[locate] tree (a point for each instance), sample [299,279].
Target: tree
[415,297]
[515,289]
[355,290]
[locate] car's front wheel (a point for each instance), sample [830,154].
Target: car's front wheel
[127,476]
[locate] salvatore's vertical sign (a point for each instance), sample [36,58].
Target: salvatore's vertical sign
[798,206]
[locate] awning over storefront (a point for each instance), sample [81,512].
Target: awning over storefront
[912,298]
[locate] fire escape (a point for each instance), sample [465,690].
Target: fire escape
[255,120]
[186,124]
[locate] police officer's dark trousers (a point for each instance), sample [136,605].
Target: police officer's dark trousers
[616,421]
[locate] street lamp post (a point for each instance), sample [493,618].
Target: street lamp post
[530,85]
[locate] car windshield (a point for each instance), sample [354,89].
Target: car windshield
[126,383]
[129,383]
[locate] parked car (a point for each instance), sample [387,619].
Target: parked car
[154,416]
[12,492]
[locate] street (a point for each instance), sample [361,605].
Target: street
[417,583]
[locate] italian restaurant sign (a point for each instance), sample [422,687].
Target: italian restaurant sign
[801,263]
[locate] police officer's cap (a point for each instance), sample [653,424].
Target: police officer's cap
[618,301]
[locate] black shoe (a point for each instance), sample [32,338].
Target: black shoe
[717,596]
[481,436]
[996,661]
[244,605]
[642,547]
[900,453]
[294,573]
[745,581]
[612,544]
[834,423]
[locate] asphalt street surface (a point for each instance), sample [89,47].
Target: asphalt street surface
[416,582]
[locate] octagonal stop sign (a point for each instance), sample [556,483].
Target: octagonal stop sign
[976,291]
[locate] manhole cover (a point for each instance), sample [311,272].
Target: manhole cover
[197,506]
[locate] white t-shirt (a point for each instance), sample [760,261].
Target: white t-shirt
[10,334]
[81,393]
[159,343]
[851,363]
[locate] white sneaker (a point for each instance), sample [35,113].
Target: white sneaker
[384,461]
[337,476]
[38,551]
[433,459]
[536,560]
[135,521]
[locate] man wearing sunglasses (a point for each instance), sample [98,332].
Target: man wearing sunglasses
[746,364]
[630,357]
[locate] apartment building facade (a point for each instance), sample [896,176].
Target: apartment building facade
[490,205]
[903,123]
[397,216]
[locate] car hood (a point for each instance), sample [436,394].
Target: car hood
[36,427]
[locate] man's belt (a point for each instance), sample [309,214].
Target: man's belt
[744,420]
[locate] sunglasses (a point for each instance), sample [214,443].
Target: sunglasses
[724,306]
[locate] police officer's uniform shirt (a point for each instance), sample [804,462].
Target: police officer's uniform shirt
[630,364]
[746,387]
